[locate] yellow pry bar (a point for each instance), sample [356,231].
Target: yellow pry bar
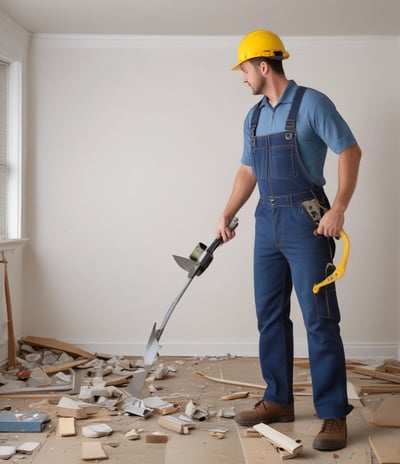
[341,267]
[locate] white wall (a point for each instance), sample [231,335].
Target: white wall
[133,146]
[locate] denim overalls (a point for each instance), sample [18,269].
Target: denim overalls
[287,254]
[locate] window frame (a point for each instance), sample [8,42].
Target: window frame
[13,233]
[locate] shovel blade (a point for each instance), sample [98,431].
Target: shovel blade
[152,347]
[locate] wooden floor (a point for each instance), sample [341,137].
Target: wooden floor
[197,447]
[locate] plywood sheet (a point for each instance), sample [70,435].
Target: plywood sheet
[385,444]
[200,447]
[387,414]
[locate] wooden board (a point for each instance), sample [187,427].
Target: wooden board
[66,427]
[385,444]
[387,414]
[57,345]
[92,450]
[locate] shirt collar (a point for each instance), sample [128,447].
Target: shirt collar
[286,97]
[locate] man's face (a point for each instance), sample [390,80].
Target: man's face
[253,77]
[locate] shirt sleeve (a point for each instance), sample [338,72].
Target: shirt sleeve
[329,125]
[246,155]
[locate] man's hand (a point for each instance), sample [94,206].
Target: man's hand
[331,223]
[223,231]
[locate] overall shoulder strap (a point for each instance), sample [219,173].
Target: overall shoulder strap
[291,119]
[254,118]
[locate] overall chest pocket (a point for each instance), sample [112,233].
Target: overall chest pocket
[282,163]
[260,162]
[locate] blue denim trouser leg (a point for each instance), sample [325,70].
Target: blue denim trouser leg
[286,251]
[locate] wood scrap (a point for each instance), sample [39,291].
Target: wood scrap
[66,427]
[55,344]
[376,374]
[175,424]
[11,346]
[235,396]
[379,388]
[63,367]
[156,437]
[286,446]
[92,451]
[391,366]
[296,386]
[305,362]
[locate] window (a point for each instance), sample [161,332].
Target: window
[10,150]
[3,147]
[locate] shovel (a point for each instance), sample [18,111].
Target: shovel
[199,260]
[195,267]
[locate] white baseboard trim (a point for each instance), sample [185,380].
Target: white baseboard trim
[352,350]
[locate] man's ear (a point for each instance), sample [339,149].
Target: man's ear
[264,68]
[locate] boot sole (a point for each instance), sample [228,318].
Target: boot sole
[266,421]
[329,446]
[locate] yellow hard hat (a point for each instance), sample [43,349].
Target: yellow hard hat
[260,43]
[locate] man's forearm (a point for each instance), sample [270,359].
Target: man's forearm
[349,162]
[243,187]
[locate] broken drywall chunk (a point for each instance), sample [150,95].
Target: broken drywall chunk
[196,412]
[132,434]
[67,407]
[90,394]
[137,407]
[161,372]
[7,451]
[176,424]
[227,413]
[38,378]
[28,447]
[160,406]
[96,430]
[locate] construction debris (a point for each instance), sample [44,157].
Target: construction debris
[137,407]
[92,451]
[176,424]
[96,430]
[133,434]
[95,389]
[285,446]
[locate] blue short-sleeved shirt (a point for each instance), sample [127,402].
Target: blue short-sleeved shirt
[318,126]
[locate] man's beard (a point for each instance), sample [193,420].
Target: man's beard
[258,88]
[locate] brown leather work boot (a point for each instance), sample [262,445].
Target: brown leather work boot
[266,412]
[333,435]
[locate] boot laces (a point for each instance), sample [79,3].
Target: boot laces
[260,403]
[331,425]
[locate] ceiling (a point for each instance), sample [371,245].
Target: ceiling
[206,17]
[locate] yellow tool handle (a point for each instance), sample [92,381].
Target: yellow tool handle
[341,267]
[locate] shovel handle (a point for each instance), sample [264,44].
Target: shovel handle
[218,241]
[208,255]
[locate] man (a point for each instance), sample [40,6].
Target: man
[286,136]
